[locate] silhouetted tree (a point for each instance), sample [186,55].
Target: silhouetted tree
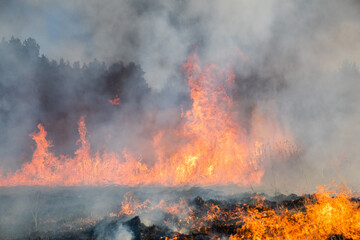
[35,89]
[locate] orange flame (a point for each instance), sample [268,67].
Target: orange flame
[131,205]
[328,215]
[115,100]
[217,151]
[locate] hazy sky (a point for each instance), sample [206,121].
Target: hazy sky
[159,34]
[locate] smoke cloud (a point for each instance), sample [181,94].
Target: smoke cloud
[301,70]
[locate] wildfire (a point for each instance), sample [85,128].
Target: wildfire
[131,205]
[324,215]
[218,151]
[215,148]
[329,214]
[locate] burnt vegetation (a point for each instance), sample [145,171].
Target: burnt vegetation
[76,217]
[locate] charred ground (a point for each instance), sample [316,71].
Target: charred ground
[88,212]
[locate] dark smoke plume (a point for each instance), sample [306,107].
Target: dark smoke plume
[37,90]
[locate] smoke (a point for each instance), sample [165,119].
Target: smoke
[119,232]
[301,71]
[37,90]
[65,212]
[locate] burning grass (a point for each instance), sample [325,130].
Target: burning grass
[212,147]
[324,215]
[174,214]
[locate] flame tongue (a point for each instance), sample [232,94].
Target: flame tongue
[216,151]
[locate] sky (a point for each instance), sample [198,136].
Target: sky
[159,34]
